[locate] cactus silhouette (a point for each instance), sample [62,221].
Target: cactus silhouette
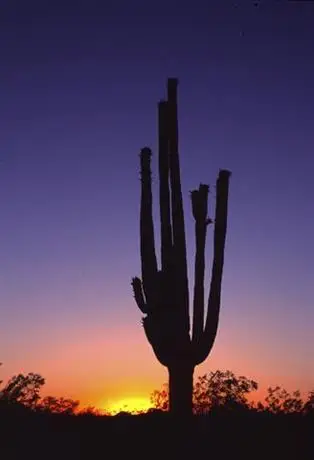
[163,295]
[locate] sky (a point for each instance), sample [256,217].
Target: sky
[79,87]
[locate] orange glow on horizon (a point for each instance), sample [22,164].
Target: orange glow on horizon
[115,369]
[129,404]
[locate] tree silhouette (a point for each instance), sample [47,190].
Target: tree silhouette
[222,389]
[92,411]
[163,295]
[23,389]
[279,400]
[308,407]
[55,405]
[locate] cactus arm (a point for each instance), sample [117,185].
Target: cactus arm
[211,325]
[139,295]
[161,346]
[180,259]
[147,240]
[199,208]
[164,194]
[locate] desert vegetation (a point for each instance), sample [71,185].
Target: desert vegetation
[225,417]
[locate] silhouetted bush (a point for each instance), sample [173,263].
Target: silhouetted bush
[23,389]
[57,405]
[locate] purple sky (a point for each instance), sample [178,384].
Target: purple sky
[79,90]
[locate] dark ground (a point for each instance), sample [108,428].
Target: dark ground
[228,436]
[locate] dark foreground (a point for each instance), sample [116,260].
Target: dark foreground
[221,436]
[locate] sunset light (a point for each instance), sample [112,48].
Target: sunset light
[131,404]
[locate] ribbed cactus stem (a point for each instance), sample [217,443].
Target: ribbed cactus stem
[220,230]
[148,254]
[180,260]
[164,193]
[199,209]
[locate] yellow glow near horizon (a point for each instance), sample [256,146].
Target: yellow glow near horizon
[131,404]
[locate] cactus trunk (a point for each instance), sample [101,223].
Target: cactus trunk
[181,390]
[163,295]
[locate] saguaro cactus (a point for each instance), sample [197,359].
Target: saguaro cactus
[163,294]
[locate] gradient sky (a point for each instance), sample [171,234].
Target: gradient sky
[79,88]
